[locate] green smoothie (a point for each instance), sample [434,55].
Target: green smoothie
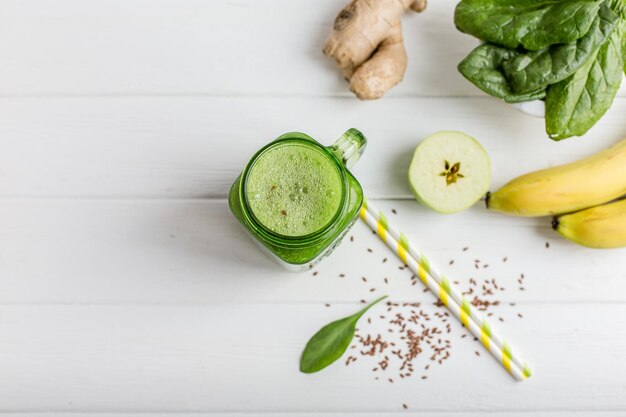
[297,198]
[294,189]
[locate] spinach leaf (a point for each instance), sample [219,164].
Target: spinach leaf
[330,342]
[538,69]
[574,105]
[533,24]
[483,67]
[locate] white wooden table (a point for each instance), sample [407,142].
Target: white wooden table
[127,287]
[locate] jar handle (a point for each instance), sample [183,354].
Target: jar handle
[349,147]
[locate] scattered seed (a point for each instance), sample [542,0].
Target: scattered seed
[520,315]
[412,332]
[465,249]
[369,250]
[547,245]
[394,211]
[315,273]
[405,406]
[327,305]
[342,275]
[351,238]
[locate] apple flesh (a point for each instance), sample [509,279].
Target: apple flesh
[449,172]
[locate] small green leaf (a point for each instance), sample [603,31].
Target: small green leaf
[532,24]
[483,67]
[574,105]
[538,69]
[330,342]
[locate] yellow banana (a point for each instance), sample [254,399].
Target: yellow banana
[597,227]
[591,181]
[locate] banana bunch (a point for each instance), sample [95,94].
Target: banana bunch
[583,197]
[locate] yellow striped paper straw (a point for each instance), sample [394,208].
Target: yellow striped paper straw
[409,247]
[461,312]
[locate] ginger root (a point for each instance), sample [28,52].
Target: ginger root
[366,43]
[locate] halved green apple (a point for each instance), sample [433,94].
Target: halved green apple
[450,171]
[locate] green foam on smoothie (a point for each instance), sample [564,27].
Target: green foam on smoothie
[294,189]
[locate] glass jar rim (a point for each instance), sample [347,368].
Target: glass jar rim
[277,238]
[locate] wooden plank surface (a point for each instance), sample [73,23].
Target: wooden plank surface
[194,252]
[244,358]
[196,147]
[192,47]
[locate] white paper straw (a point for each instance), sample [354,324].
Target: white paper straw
[435,273]
[461,311]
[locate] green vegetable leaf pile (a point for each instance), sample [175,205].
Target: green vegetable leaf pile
[330,342]
[572,53]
